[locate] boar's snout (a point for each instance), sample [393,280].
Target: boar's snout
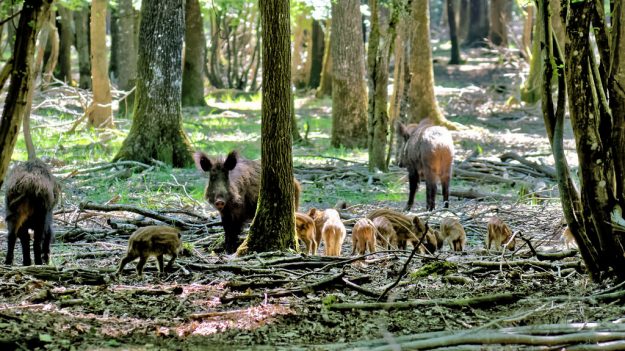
[219,204]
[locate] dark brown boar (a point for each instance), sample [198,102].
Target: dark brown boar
[233,188]
[305,228]
[363,236]
[428,153]
[155,240]
[32,192]
[498,235]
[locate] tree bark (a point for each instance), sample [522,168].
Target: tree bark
[300,63]
[31,18]
[214,72]
[318,46]
[500,14]
[100,115]
[453,35]
[349,96]
[127,53]
[421,99]
[115,47]
[194,56]
[65,49]
[526,38]
[81,24]
[273,227]
[464,20]
[531,87]
[156,131]
[325,85]
[478,25]
[53,58]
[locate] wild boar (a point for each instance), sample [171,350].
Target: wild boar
[498,235]
[332,229]
[386,235]
[155,240]
[233,188]
[305,228]
[406,232]
[363,236]
[31,194]
[428,153]
[452,231]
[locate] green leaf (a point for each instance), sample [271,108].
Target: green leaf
[45,337]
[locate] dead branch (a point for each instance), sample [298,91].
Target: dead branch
[141,211]
[490,177]
[546,170]
[527,264]
[491,300]
[67,276]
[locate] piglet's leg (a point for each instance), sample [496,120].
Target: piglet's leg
[129,258]
[171,261]
[159,260]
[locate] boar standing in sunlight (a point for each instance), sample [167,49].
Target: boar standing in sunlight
[428,153]
[332,229]
[385,234]
[31,194]
[305,228]
[452,231]
[233,189]
[498,235]
[155,240]
[363,236]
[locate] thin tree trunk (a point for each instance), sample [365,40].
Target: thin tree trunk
[53,58]
[194,58]
[31,19]
[465,20]
[325,85]
[156,131]
[66,40]
[500,14]
[531,87]
[478,25]
[214,66]
[81,24]
[318,45]
[115,47]
[526,39]
[100,115]
[349,97]
[453,35]
[399,84]
[273,227]
[127,53]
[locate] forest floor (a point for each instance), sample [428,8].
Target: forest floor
[535,297]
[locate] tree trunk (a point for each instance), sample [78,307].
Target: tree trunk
[100,115]
[194,56]
[325,85]
[81,24]
[500,14]
[273,227]
[127,53]
[478,24]
[316,57]
[526,38]
[349,96]
[531,87]
[214,66]
[31,18]
[156,131]
[53,58]
[115,47]
[66,40]
[464,20]
[421,99]
[453,35]
[300,65]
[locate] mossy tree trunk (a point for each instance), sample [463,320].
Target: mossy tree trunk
[317,50]
[100,115]
[421,98]
[65,49]
[81,25]
[156,130]
[53,56]
[300,59]
[325,84]
[31,19]
[127,53]
[273,227]
[453,33]
[595,212]
[349,95]
[194,56]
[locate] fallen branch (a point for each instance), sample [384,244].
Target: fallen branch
[527,264]
[141,211]
[497,299]
[66,276]
[546,170]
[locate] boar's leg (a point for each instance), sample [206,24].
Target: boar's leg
[170,264]
[129,258]
[445,186]
[232,231]
[142,260]
[430,187]
[11,242]
[48,235]
[38,228]
[160,263]
[25,241]
[413,178]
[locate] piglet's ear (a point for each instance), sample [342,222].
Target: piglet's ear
[202,162]
[231,160]
[312,213]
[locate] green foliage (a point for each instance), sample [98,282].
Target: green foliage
[434,269]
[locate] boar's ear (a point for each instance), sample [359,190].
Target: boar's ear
[403,131]
[231,160]
[202,162]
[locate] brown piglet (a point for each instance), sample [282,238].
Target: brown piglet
[363,236]
[305,228]
[498,235]
[452,231]
[385,236]
[155,241]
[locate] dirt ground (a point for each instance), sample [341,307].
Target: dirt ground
[535,297]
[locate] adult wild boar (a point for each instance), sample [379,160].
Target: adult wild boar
[32,192]
[233,188]
[428,153]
